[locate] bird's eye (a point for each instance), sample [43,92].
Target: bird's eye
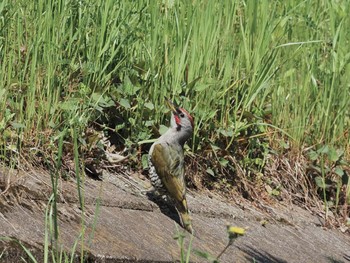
[182,115]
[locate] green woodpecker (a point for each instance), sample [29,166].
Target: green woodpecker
[166,162]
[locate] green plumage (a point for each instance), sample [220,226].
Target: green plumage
[169,165]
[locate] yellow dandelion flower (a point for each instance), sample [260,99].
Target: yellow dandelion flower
[234,230]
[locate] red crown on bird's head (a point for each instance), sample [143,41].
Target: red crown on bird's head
[177,119]
[177,111]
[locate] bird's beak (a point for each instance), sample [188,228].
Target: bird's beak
[171,105]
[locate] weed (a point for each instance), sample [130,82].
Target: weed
[328,169]
[233,234]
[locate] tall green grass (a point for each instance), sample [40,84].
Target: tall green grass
[219,59]
[251,72]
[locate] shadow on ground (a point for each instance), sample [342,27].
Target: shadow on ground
[260,256]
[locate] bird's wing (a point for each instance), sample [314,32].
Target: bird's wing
[170,170]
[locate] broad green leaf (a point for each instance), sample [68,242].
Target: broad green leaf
[223,162]
[132,121]
[125,103]
[214,147]
[210,171]
[96,97]
[70,104]
[52,124]
[323,149]
[17,125]
[319,181]
[149,105]
[289,72]
[339,171]
[201,87]
[103,101]
[162,129]
[149,123]
[119,127]
[212,114]
[284,144]
[226,133]
[313,155]
[332,155]
[127,86]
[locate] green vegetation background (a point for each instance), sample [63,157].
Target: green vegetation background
[262,79]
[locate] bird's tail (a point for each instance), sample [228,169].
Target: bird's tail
[186,219]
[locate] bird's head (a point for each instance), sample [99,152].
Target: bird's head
[180,118]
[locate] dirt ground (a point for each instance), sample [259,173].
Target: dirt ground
[122,224]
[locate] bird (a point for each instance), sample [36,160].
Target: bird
[166,162]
